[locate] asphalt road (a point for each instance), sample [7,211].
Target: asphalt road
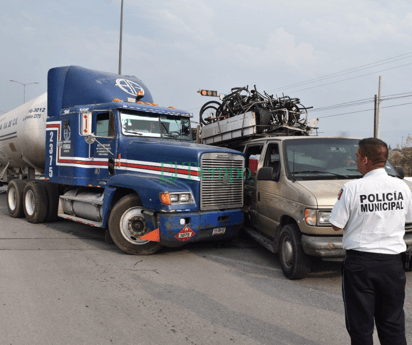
[62,284]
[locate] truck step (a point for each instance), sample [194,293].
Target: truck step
[81,220]
[93,201]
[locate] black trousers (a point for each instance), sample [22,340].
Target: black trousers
[373,288]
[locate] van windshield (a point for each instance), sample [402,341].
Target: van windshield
[155,125]
[321,158]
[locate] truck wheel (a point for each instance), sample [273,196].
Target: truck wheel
[53,201]
[35,202]
[293,260]
[127,225]
[15,198]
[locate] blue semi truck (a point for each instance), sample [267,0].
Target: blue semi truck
[108,156]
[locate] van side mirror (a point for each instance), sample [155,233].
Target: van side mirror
[267,174]
[400,172]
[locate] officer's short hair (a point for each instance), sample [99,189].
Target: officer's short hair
[375,149]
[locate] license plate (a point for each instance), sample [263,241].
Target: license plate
[218,231]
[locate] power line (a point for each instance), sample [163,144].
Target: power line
[343,105]
[362,101]
[361,111]
[351,70]
[363,75]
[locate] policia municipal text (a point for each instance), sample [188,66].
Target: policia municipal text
[373,211]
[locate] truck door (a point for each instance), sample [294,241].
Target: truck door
[103,150]
[268,194]
[252,154]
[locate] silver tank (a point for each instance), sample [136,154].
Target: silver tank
[22,135]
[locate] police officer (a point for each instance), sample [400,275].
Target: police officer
[372,211]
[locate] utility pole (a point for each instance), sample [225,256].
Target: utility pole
[374,115]
[376,132]
[120,43]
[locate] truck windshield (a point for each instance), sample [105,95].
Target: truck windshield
[321,158]
[155,125]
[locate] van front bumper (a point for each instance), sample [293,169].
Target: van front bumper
[330,247]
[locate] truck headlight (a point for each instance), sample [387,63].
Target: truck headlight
[176,198]
[315,217]
[184,197]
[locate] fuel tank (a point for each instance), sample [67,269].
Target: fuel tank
[22,135]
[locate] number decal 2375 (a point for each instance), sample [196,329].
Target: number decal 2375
[51,154]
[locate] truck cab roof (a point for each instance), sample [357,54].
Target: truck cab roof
[73,85]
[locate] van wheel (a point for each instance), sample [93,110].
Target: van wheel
[35,202]
[15,198]
[293,260]
[127,225]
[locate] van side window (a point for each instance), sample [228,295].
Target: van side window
[252,158]
[272,159]
[104,125]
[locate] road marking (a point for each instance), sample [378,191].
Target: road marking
[243,263]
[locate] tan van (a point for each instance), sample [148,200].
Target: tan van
[291,188]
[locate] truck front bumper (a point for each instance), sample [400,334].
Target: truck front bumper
[330,247]
[198,226]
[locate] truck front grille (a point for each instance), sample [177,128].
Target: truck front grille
[221,181]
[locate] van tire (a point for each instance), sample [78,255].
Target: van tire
[294,262]
[127,225]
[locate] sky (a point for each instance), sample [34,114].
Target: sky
[324,52]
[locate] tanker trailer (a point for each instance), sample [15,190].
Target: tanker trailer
[22,140]
[104,154]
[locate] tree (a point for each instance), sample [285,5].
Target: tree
[402,156]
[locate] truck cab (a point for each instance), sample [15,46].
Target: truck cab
[112,158]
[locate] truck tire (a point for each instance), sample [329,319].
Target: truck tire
[35,202]
[53,201]
[293,260]
[127,225]
[15,198]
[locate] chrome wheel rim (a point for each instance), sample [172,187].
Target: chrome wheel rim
[133,226]
[12,199]
[287,252]
[29,202]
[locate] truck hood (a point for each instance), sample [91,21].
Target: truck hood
[325,192]
[170,150]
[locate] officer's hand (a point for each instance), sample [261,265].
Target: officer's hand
[336,228]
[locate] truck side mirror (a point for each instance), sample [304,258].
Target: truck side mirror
[185,130]
[90,139]
[267,174]
[400,172]
[111,166]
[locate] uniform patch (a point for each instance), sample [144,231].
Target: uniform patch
[340,194]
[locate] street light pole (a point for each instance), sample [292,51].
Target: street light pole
[120,44]
[24,88]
